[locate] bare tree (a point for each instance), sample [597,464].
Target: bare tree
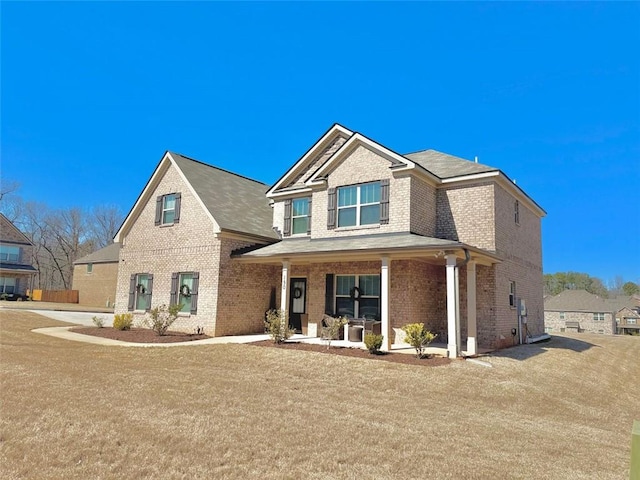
[104,221]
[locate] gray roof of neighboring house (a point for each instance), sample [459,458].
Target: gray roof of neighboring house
[108,254]
[389,241]
[16,267]
[445,166]
[238,204]
[583,301]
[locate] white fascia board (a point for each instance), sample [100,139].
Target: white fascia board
[333,132]
[216,227]
[471,178]
[359,140]
[292,193]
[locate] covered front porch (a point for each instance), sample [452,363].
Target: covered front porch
[391,280]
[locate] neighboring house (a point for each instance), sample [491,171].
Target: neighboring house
[579,310]
[362,231]
[95,276]
[16,255]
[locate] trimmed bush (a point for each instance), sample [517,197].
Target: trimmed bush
[123,321]
[373,342]
[418,337]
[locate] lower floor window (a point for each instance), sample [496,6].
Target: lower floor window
[358,296]
[140,289]
[7,285]
[184,290]
[598,317]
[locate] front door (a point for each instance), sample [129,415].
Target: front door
[297,302]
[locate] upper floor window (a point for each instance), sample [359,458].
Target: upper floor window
[516,212]
[9,253]
[89,267]
[359,205]
[630,321]
[297,216]
[598,317]
[168,209]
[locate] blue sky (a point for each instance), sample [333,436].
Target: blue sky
[93,93]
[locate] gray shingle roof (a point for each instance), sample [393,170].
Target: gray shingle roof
[237,203]
[397,241]
[445,166]
[17,267]
[108,254]
[583,301]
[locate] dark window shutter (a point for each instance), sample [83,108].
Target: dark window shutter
[174,289]
[132,292]
[194,292]
[158,210]
[331,208]
[328,292]
[384,202]
[287,217]
[176,218]
[150,291]
[309,219]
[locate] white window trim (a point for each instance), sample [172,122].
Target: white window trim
[358,206]
[293,217]
[512,294]
[164,209]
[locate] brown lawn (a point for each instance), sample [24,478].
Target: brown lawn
[559,410]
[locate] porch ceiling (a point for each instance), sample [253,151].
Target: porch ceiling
[396,246]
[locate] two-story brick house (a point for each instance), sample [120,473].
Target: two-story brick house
[16,256]
[364,232]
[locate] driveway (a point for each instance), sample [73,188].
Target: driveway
[80,318]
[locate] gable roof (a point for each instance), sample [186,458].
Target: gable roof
[436,167]
[108,254]
[237,203]
[5,223]
[234,203]
[583,301]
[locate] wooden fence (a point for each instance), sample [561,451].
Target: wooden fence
[56,296]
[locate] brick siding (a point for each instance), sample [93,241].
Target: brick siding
[98,288]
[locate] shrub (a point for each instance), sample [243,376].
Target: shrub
[123,321]
[98,321]
[373,343]
[4,296]
[332,328]
[418,337]
[162,317]
[277,326]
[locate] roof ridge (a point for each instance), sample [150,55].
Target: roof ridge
[217,168]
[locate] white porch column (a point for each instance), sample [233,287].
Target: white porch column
[284,292]
[452,309]
[384,304]
[472,328]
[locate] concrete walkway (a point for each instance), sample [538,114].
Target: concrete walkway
[64,333]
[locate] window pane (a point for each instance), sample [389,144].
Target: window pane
[169,202]
[346,196]
[346,217]
[370,215]
[299,225]
[142,299]
[370,285]
[370,193]
[344,284]
[168,216]
[344,307]
[185,300]
[300,207]
[369,308]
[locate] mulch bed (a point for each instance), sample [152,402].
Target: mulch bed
[404,358]
[138,335]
